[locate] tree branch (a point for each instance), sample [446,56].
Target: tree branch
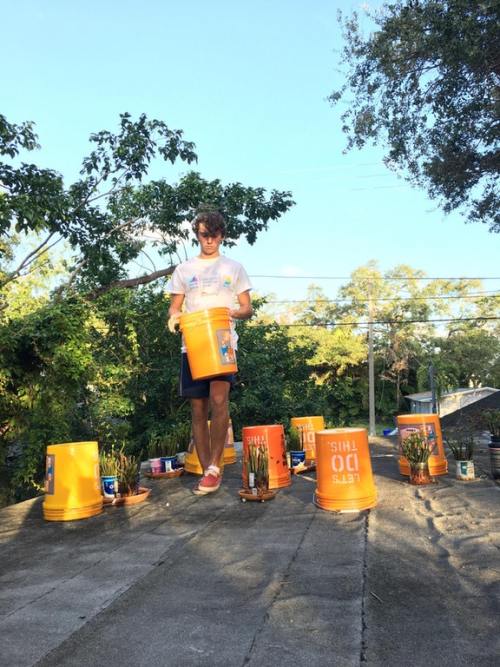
[30,258]
[132,282]
[84,261]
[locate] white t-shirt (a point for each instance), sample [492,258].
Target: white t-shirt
[209,283]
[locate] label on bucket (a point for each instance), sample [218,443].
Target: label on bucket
[427,430]
[345,462]
[226,351]
[50,461]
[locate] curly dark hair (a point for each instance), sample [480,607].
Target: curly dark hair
[213,221]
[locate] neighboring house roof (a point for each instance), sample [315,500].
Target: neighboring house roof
[491,402]
[425,396]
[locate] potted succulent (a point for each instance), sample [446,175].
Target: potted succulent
[183,436]
[129,490]
[108,467]
[491,419]
[295,447]
[167,447]
[154,453]
[256,465]
[416,450]
[461,445]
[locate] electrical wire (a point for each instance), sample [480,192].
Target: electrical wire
[367,323]
[381,278]
[485,295]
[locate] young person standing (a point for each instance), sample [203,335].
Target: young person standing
[209,280]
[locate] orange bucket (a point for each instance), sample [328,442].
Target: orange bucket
[430,425]
[343,470]
[308,425]
[207,335]
[273,438]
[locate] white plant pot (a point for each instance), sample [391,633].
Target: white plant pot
[465,470]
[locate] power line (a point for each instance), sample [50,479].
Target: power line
[485,295]
[384,279]
[402,322]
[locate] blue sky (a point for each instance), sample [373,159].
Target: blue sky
[247,82]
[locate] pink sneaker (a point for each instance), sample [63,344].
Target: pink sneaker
[209,483]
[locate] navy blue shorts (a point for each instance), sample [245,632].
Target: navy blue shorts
[189,388]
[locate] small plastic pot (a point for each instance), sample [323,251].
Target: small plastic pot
[109,484]
[297,458]
[419,474]
[168,463]
[156,466]
[465,470]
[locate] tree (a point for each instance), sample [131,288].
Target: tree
[426,83]
[104,215]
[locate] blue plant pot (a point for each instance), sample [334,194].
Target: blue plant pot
[168,463]
[108,483]
[297,458]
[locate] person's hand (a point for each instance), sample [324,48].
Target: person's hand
[173,322]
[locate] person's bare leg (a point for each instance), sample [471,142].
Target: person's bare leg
[219,418]
[199,416]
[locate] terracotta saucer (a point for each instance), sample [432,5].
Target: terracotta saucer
[165,475]
[248,495]
[129,500]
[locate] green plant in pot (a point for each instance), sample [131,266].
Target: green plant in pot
[168,451]
[128,474]
[416,450]
[461,445]
[184,436]
[257,466]
[295,446]
[491,420]
[154,450]
[108,467]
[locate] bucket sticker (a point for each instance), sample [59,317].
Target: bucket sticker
[226,351]
[427,429]
[50,461]
[345,464]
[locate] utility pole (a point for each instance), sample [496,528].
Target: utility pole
[371,369]
[432,381]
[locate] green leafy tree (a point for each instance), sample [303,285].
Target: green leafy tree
[104,215]
[274,379]
[426,83]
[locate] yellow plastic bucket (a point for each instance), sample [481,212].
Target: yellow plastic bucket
[192,462]
[207,335]
[430,425]
[273,438]
[308,425]
[229,450]
[72,482]
[343,470]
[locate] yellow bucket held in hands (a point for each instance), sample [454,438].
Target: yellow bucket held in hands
[207,335]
